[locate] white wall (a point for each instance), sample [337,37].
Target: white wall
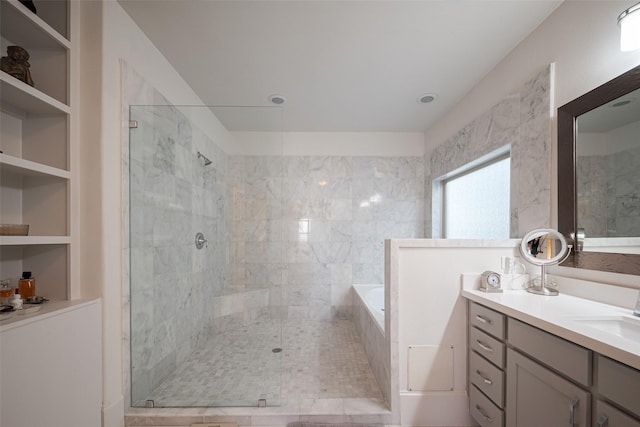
[329,143]
[429,312]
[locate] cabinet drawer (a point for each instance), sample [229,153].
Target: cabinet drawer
[619,383]
[483,410]
[487,346]
[488,378]
[608,416]
[486,319]
[565,357]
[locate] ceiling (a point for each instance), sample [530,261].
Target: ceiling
[342,65]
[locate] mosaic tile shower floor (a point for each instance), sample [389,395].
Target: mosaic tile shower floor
[319,360]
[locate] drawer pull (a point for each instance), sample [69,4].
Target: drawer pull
[603,421]
[575,402]
[485,379]
[484,320]
[484,346]
[484,415]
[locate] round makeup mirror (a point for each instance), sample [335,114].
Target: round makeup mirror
[544,247]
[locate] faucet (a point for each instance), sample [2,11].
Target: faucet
[636,311]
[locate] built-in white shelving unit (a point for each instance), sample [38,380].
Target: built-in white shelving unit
[51,358]
[39,150]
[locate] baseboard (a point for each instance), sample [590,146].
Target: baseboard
[113,415]
[435,409]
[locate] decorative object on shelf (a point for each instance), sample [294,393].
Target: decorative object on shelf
[35,300]
[544,247]
[17,302]
[29,5]
[490,282]
[14,229]
[16,64]
[6,291]
[27,285]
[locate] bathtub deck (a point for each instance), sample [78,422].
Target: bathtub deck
[325,377]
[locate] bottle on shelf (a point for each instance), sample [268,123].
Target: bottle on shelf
[16,302]
[5,292]
[27,285]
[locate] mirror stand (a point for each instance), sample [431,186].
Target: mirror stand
[540,286]
[547,242]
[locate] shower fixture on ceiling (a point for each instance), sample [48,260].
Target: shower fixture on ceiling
[204,158]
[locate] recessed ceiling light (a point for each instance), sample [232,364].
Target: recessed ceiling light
[277,99]
[622,103]
[427,98]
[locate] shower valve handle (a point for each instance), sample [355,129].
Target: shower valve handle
[201,241]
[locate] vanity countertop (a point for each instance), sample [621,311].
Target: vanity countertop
[557,314]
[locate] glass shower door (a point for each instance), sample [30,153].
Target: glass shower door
[205,246]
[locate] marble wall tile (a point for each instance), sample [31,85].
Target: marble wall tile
[521,120]
[608,189]
[376,346]
[335,210]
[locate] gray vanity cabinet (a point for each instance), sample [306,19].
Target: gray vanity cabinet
[537,397]
[522,376]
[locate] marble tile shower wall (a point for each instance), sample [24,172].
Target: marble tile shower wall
[609,194]
[173,195]
[308,227]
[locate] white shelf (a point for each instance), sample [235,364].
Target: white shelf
[16,17]
[19,95]
[34,240]
[39,140]
[28,168]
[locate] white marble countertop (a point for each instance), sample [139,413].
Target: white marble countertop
[556,314]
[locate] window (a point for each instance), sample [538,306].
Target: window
[475,200]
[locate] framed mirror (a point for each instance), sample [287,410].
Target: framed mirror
[599,176]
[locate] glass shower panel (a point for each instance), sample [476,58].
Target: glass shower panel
[205,239]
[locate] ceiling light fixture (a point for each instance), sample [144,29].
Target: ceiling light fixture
[629,22]
[427,98]
[277,99]
[622,103]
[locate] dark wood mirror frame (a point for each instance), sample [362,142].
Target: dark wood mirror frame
[567,196]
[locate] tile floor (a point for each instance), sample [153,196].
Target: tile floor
[319,360]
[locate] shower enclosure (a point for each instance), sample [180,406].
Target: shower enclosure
[205,256]
[243,255]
